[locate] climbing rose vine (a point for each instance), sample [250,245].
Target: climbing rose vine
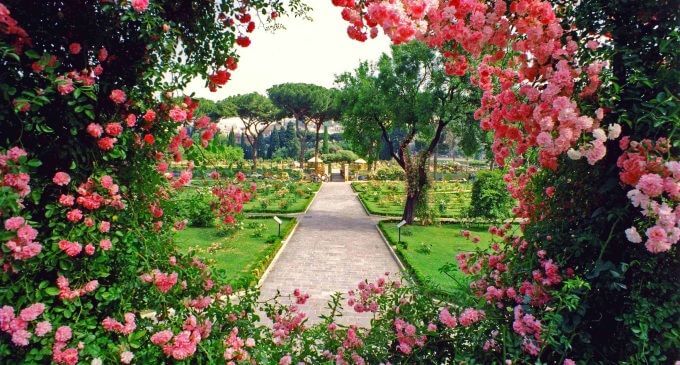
[549,101]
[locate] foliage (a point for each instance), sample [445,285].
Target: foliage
[561,83]
[257,113]
[195,205]
[409,96]
[242,257]
[490,198]
[340,156]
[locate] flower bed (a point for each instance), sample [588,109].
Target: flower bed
[281,197]
[386,198]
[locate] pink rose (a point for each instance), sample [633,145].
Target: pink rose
[63,334]
[140,5]
[104,226]
[118,96]
[74,215]
[114,129]
[105,244]
[106,143]
[66,200]
[61,178]
[177,114]
[95,130]
[131,120]
[14,223]
[650,184]
[43,328]
[149,116]
[89,249]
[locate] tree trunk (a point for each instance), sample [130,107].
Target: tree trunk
[434,162]
[316,147]
[414,189]
[302,135]
[254,146]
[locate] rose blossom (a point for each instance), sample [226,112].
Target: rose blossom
[140,5]
[126,357]
[61,178]
[632,235]
[95,130]
[105,244]
[118,96]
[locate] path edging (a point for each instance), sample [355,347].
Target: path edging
[278,253]
[389,247]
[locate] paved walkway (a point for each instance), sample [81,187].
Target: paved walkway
[335,246]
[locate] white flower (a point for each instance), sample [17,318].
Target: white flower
[633,235]
[614,131]
[126,357]
[598,133]
[96,361]
[574,154]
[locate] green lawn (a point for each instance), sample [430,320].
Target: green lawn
[386,198]
[243,256]
[281,197]
[445,242]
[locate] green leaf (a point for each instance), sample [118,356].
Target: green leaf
[52,291]
[32,54]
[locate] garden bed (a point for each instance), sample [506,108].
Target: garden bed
[282,197]
[386,198]
[426,249]
[241,257]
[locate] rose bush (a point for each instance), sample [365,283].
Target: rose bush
[581,99]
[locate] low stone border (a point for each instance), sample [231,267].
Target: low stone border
[278,253]
[392,252]
[309,204]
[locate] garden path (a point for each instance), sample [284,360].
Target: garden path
[335,246]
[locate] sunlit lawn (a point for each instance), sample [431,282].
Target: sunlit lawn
[239,254]
[445,243]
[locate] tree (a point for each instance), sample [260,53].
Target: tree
[290,141]
[257,113]
[325,148]
[274,142]
[231,139]
[299,101]
[324,108]
[407,95]
[247,150]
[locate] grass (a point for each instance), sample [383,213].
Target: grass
[243,256]
[281,197]
[386,198]
[444,242]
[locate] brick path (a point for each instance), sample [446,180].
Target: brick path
[335,246]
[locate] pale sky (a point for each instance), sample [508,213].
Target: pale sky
[306,51]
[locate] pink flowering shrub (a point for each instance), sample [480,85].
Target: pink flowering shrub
[583,115]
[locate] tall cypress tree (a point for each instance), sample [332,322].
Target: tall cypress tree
[274,142]
[231,139]
[292,142]
[325,148]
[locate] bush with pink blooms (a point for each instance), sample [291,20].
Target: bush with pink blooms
[582,101]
